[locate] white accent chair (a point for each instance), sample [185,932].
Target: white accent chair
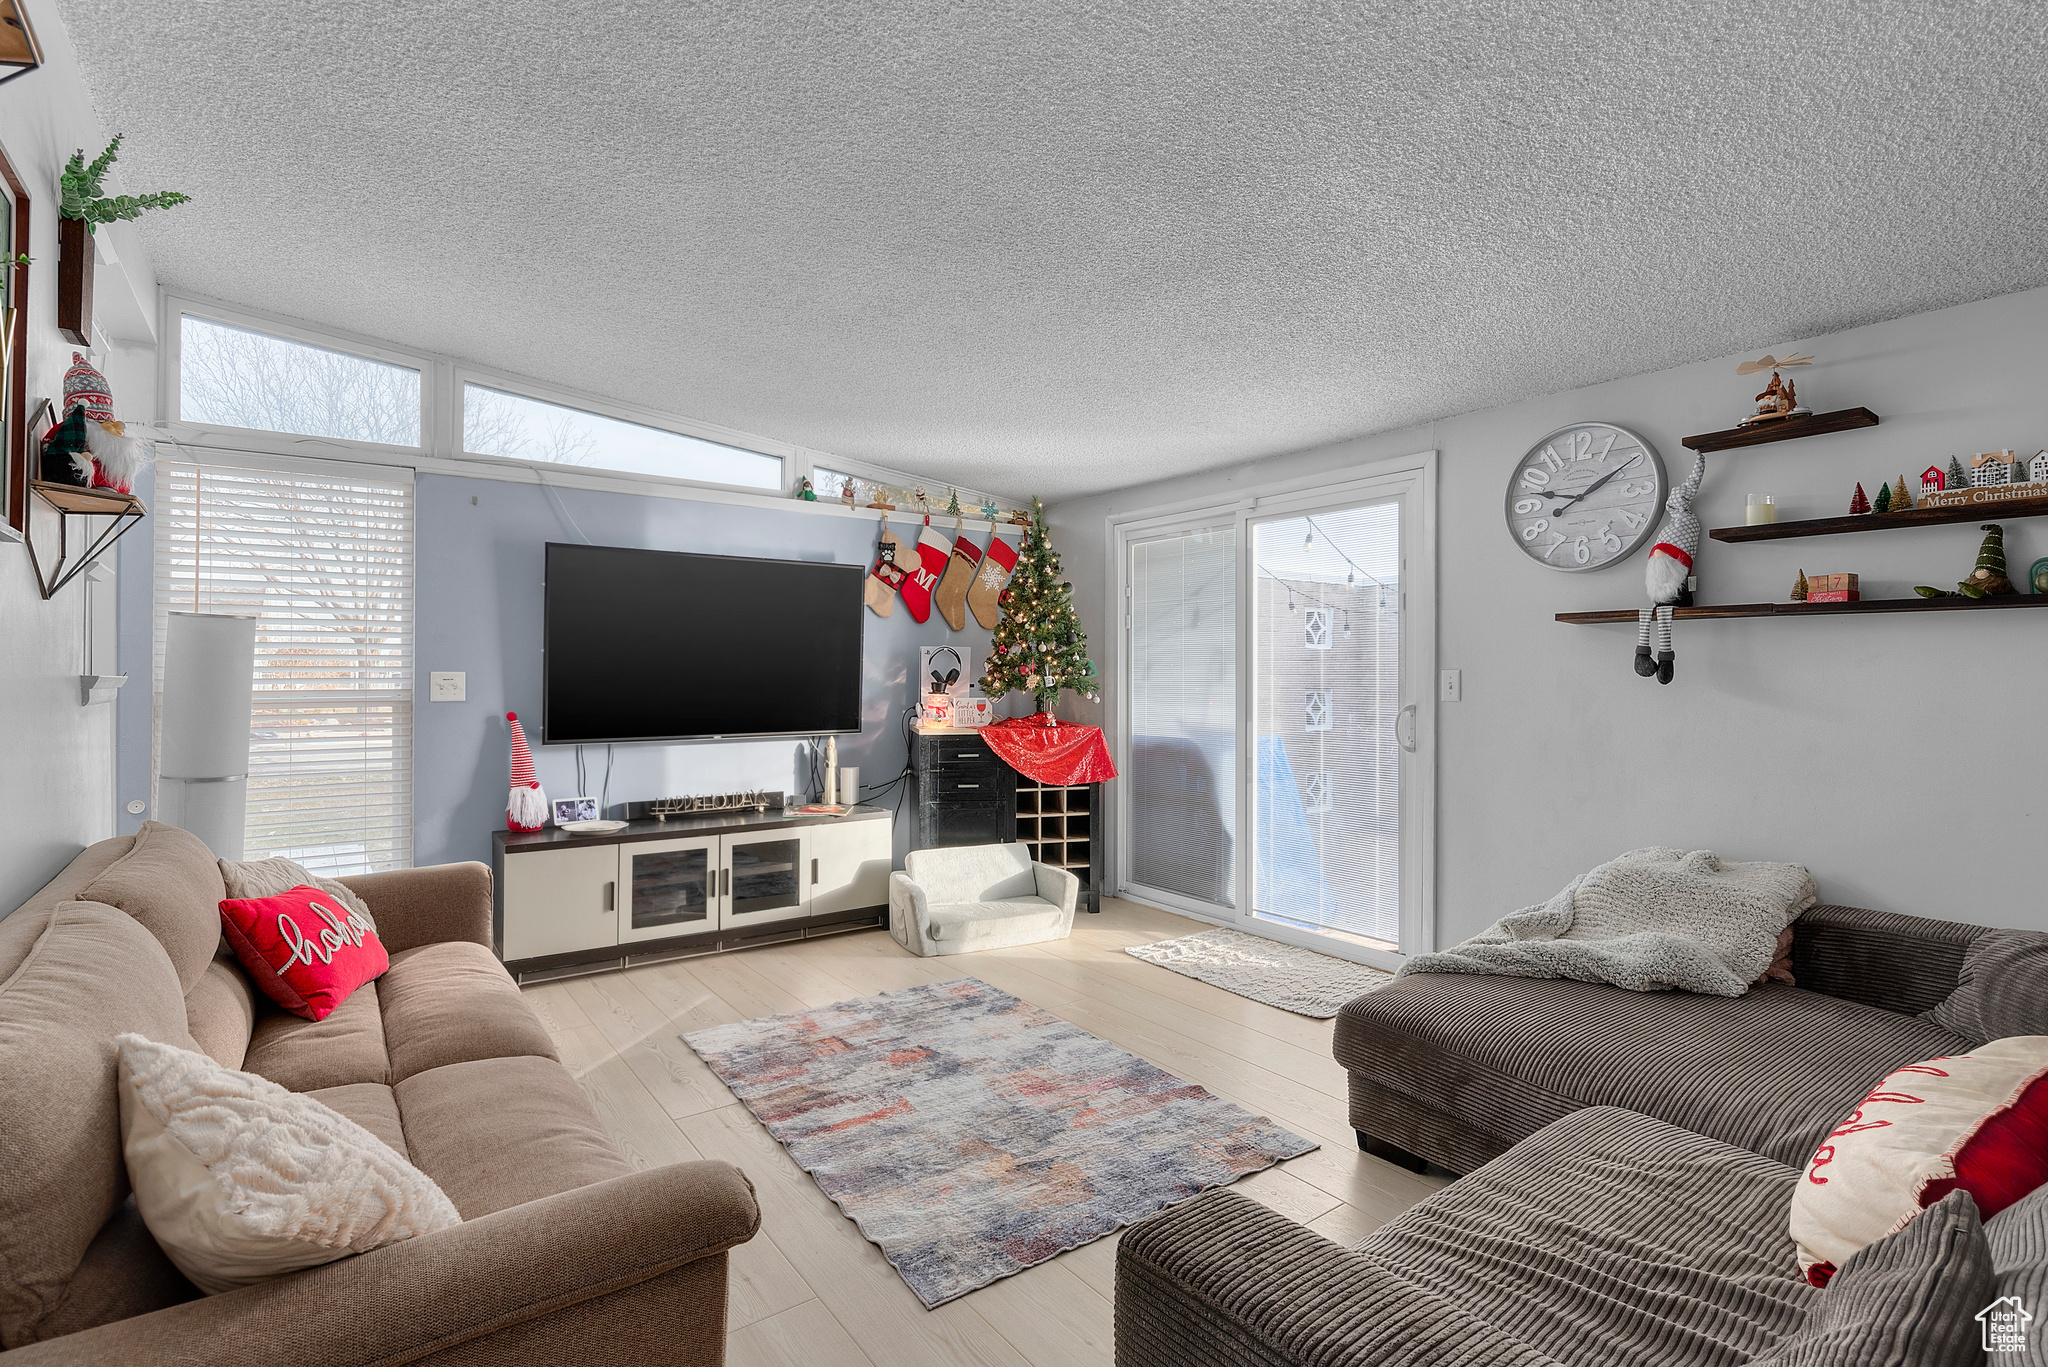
[968,897]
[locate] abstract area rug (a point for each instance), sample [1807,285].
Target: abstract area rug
[971,1135]
[1297,980]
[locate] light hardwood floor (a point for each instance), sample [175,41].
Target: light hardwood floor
[809,1289]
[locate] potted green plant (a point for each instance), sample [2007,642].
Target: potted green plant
[82,208]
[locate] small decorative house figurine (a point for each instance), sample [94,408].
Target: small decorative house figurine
[2037,468]
[1992,467]
[1780,399]
[1932,481]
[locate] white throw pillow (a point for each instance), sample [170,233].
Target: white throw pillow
[241,1180]
[1976,1122]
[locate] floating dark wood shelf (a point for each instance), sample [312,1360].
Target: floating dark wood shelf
[1867,605]
[1873,522]
[1783,429]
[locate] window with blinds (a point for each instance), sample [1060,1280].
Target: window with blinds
[324,560]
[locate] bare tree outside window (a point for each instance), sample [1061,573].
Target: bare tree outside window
[497,423]
[232,377]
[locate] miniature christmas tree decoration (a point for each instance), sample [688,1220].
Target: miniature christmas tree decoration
[1038,643]
[1799,588]
[1956,478]
[1858,503]
[1901,500]
[953,504]
[1884,499]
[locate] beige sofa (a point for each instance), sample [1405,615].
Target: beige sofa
[567,1253]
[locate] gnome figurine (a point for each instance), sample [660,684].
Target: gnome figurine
[527,808]
[1667,574]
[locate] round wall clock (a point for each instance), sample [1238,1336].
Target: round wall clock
[1585,497]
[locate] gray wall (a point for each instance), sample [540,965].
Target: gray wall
[57,776]
[479,611]
[1902,759]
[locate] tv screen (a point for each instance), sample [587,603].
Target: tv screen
[665,645]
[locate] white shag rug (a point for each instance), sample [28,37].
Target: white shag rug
[1297,980]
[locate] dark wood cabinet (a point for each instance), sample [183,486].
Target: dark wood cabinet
[968,796]
[965,795]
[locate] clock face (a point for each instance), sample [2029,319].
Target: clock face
[1585,497]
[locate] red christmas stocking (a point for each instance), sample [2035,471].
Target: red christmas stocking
[887,575]
[951,595]
[994,573]
[932,552]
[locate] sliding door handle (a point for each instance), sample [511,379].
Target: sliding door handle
[1404,728]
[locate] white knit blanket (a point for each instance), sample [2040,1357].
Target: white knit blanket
[1649,920]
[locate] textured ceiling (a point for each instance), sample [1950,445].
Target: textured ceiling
[1064,247]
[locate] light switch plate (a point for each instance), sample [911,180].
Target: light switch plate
[1450,685]
[447,686]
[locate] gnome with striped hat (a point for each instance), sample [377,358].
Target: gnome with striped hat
[527,808]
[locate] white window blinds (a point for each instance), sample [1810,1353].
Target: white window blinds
[323,558]
[1183,714]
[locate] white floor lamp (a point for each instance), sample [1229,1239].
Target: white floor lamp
[203,759]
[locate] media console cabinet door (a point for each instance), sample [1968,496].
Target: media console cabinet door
[669,887]
[762,880]
[557,901]
[848,865]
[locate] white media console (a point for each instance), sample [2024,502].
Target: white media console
[696,884]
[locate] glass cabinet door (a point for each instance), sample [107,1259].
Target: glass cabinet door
[764,879]
[670,888]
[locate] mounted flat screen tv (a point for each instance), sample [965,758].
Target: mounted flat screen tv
[666,645]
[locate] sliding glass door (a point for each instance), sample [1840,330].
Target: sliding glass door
[1326,699]
[1181,774]
[1276,714]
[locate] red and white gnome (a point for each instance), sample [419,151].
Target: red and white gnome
[1669,573]
[527,808]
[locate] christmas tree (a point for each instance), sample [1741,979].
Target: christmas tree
[1799,588]
[1884,499]
[1038,646]
[1956,478]
[1858,503]
[1901,500]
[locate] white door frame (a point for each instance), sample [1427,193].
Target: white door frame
[1414,476]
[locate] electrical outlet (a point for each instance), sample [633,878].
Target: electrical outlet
[448,686]
[1450,685]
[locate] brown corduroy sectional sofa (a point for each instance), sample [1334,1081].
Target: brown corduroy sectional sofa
[1630,1157]
[567,1253]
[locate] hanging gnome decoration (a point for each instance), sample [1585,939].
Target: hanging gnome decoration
[1669,574]
[527,808]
